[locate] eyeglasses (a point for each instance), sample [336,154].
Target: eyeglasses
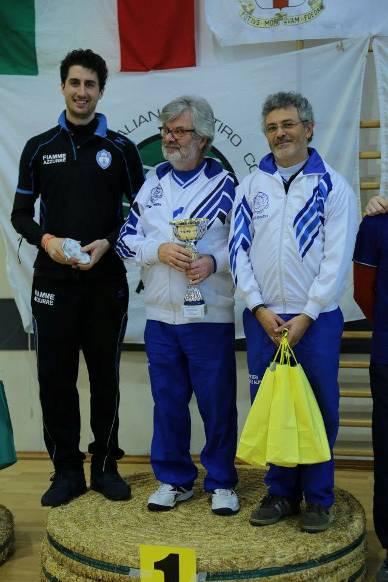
[286,126]
[177,132]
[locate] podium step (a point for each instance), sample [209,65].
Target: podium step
[92,539]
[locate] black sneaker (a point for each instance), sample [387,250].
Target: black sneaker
[109,483]
[382,573]
[272,509]
[316,518]
[67,484]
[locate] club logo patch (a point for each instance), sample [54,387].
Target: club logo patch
[104,159]
[260,203]
[156,195]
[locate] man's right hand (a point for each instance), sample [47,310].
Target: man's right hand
[175,256]
[55,252]
[270,321]
[376,205]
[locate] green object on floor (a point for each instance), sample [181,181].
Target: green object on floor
[7,445]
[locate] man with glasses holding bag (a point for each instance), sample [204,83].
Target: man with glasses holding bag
[292,239]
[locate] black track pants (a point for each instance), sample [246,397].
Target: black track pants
[379,387]
[68,316]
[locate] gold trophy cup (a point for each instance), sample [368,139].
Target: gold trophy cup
[189,231]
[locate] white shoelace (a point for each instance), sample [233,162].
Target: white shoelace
[225,492]
[166,488]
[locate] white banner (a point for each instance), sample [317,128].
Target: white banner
[237,22]
[380,52]
[331,76]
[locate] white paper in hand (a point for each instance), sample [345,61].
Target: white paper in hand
[72,250]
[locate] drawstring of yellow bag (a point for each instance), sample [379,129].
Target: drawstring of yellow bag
[284,352]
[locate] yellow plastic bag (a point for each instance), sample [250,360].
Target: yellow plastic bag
[252,447]
[313,444]
[285,425]
[282,436]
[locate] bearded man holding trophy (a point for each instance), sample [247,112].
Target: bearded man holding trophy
[177,231]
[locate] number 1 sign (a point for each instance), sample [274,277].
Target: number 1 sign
[167,564]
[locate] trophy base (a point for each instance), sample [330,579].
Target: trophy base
[194,311]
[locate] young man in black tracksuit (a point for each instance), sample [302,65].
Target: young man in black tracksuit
[80,170]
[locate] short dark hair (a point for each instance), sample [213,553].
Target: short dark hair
[88,59]
[284,100]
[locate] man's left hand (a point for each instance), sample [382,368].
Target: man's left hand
[297,326]
[200,269]
[96,250]
[376,205]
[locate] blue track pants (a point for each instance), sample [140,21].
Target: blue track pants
[187,358]
[318,353]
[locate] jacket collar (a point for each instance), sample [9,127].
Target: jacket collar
[212,168]
[314,164]
[101,129]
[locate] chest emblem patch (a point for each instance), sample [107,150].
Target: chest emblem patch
[156,195]
[104,159]
[260,203]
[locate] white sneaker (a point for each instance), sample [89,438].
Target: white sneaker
[167,496]
[225,502]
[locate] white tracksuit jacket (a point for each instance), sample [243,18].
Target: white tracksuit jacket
[159,201]
[293,251]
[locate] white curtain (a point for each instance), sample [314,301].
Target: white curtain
[331,76]
[380,52]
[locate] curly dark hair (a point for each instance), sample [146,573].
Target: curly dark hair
[88,59]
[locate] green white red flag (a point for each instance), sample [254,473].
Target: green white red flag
[131,35]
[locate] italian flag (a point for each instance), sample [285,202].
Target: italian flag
[131,35]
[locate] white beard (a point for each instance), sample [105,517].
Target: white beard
[184,154]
